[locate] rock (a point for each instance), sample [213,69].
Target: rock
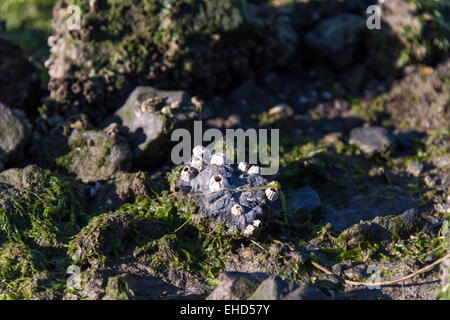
[14,133]
[414,168]
[29,178]
[245,212]
[306,200]
[14,182]
[19,84]
[261,286]
[419,100]
[127,188]
[236,285]
[356,272]
[337,37]
[383,229]
[273,288]
[372,140]
[198,51]
[306,293]
[149,115]
[96,155]
[103,238]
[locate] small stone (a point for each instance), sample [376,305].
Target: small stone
[415,168]
[372,140]
[305,199]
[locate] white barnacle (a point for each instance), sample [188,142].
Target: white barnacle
[254,170]
[138,112]
[272,194]
[243,166]
[187,174]
[257,223]
[217,183]
[198,163]
[249,230]
[236,210]
[218,159]
[201,152]
[272,183]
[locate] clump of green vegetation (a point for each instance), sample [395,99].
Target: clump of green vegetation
[28,23]
[436,23]
[45,217]
[179,241]
[36,227]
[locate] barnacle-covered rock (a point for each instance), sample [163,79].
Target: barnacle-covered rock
[228,196]
[149,116]
[201,45]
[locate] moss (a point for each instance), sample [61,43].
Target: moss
[117,289]
[45,217]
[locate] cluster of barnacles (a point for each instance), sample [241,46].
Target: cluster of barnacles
[237,196]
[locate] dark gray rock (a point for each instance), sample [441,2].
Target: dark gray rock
[306,293]
[273,288]
[14,133]
[336,38]
[261,286]
[306,200]
[235,285]
[216,206]
[372,140]
[149,115]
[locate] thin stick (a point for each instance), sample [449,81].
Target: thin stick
[384,283]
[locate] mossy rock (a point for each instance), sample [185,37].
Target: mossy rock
[96,155]
[103,239]
[202,45]
[39,207]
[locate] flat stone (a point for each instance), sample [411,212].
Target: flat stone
[372,140]
[305,199]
